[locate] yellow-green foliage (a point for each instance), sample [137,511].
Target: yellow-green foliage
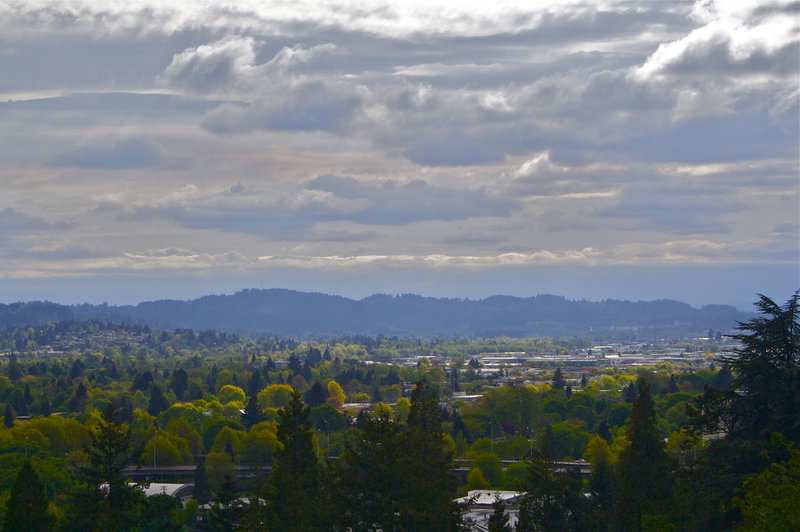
[260,444]
[336,391]
[230,393]
[180,427]
[228,439]
[274,396]
[597,450]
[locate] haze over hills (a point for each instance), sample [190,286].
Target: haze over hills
[303,314]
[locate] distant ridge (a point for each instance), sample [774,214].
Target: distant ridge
[304,314]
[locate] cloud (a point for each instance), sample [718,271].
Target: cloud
[393,203]
[12,220]
[126,153]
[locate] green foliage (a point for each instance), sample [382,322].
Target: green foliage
[293,492]
[642,485]
[106,500]
[770,498]
[27,507]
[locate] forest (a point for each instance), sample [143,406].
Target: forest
[337,434]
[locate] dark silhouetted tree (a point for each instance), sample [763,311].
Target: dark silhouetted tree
[252,414]
[27,506]
[642,484]
[558,380]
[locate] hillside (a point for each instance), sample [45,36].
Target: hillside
[291,313]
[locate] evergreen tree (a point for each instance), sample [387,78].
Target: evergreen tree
[106,500]
[672,386]
[227,509]
[316,395]
[766,369]
[158,403]
[369,496]
[293,495]
[252,414]
[179,382]
[553,502]
[9,417]
[642,485]
[426,467]
[499,520]
[201,490]
[558,380]
[27,507]
[254,385]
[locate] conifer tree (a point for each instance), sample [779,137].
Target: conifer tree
[558,380]
[293,495]
[499,519]
[642,485]
[106,501]
[26,508]
[252,414]
[425,465]
[201,490]
[8,418]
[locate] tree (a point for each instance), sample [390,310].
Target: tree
[227,509]
[759,410]
[369,495]
[26,508]
[179,382]
[158,403]
[553,502]
[107,501]
[770,499]
[202,489]
[252,414]
[426,467]
[8,418]
[499,520]
[766,369]
[316,395]
[642,485]
[293,493]
[558,380]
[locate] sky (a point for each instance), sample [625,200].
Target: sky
[591,149]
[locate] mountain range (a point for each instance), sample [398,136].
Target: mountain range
[302,314]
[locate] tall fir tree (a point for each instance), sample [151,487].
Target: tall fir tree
[105,500]
[426,465]
[368,495]
[293,495]
[643,470]
[27,506]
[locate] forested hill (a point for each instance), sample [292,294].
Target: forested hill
[287,312]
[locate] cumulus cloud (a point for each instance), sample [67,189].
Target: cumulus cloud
[418,134]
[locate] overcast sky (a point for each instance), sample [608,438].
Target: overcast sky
[591,149]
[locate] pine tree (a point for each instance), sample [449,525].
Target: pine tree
[643,469]
[8,418]
[426,467]
[26,508]
[369,495]
[201,490]
[106,500]
[158,403]
[226,510]
[293,495]
[252,414]
[499,519]
[558,380]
